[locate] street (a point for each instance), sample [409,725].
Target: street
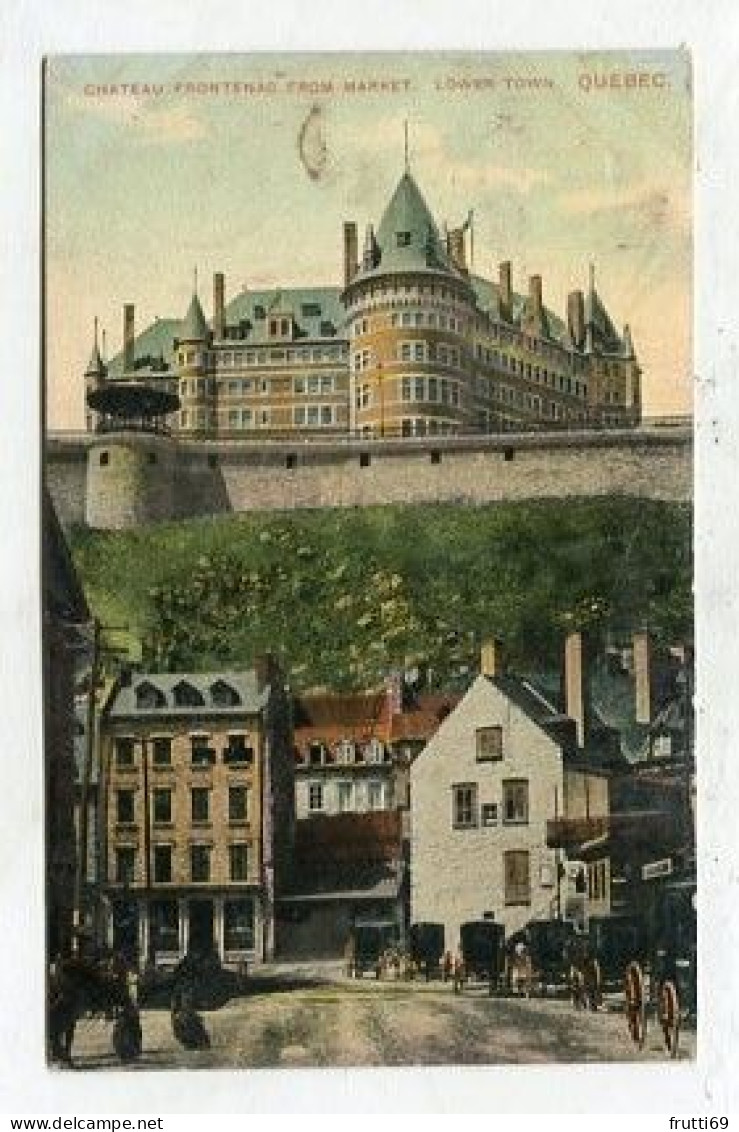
[319,1018]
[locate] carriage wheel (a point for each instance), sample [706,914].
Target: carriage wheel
[635,1013]
[669,1016]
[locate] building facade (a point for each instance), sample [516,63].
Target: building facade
[198,784]
[66,638]
[413,343]
[484,792]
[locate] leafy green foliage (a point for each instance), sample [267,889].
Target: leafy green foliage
[344,596]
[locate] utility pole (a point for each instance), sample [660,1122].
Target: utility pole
[80,877]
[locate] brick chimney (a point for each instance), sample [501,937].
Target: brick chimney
[219,319]
[576,687]
[643,673]
[351,251]
[576,317]
[505,289]
[456,248]
[129,335]
[535,296]
[492,658]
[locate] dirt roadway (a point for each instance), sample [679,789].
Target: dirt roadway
[346,1023]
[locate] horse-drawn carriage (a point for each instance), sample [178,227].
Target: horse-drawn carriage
[426,948]
[599,957]
[540,956]
[80,987]
[482,955]
[662,979]
[372,946]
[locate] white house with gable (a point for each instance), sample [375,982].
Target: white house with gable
[482,793]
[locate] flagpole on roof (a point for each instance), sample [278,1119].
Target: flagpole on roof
[405,142]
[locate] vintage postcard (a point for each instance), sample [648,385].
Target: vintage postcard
[368,580]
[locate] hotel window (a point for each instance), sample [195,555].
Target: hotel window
[406,427]
[406,319]
[200,863]
[405,389]
[184,418]
[202,754]
[125,865]
[162,751]
[238,862]
[247,418]
[312,415]
[315,797]
[200,803]
[124,752]
[345,796]
[488,744]
[419,389]
[420,352]
[517,880]
[327,384]
[162,806]
[165,925]
[238,803]
[404,351]
[374,751]
[418,318]
[375,796]
[234,418]
[264,418]
[516,801]
[464,806]
[124,808]
[299,384]
[163,864]
[247,386]
[433,393]
[299,415]
[326,415]
[444,391]
[238,752]
[238,925]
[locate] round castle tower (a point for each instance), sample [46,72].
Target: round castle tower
[410,311]
[131,460]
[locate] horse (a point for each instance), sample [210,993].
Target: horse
[80,987]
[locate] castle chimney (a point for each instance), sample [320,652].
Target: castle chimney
[456,248]
[492,658]
[576,684]
[351,251]
[535,296]
[505,289]
[643,675]
[219,321]
[129,336]
[576,317]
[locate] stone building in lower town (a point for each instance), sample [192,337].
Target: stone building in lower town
[503,764]
[198,784]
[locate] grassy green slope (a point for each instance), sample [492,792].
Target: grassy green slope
[342,596]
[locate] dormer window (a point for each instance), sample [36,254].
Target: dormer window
[148,696]
[345,751]
[186,695]
[316,754]
[374,751]
[403,239]
[224,695]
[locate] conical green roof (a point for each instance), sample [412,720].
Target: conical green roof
[408,239]
[194,328]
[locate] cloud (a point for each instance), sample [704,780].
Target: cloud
[655,207]
[148,119]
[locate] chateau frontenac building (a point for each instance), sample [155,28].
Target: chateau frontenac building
[412,344]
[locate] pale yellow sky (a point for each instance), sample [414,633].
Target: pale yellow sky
[566,159]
